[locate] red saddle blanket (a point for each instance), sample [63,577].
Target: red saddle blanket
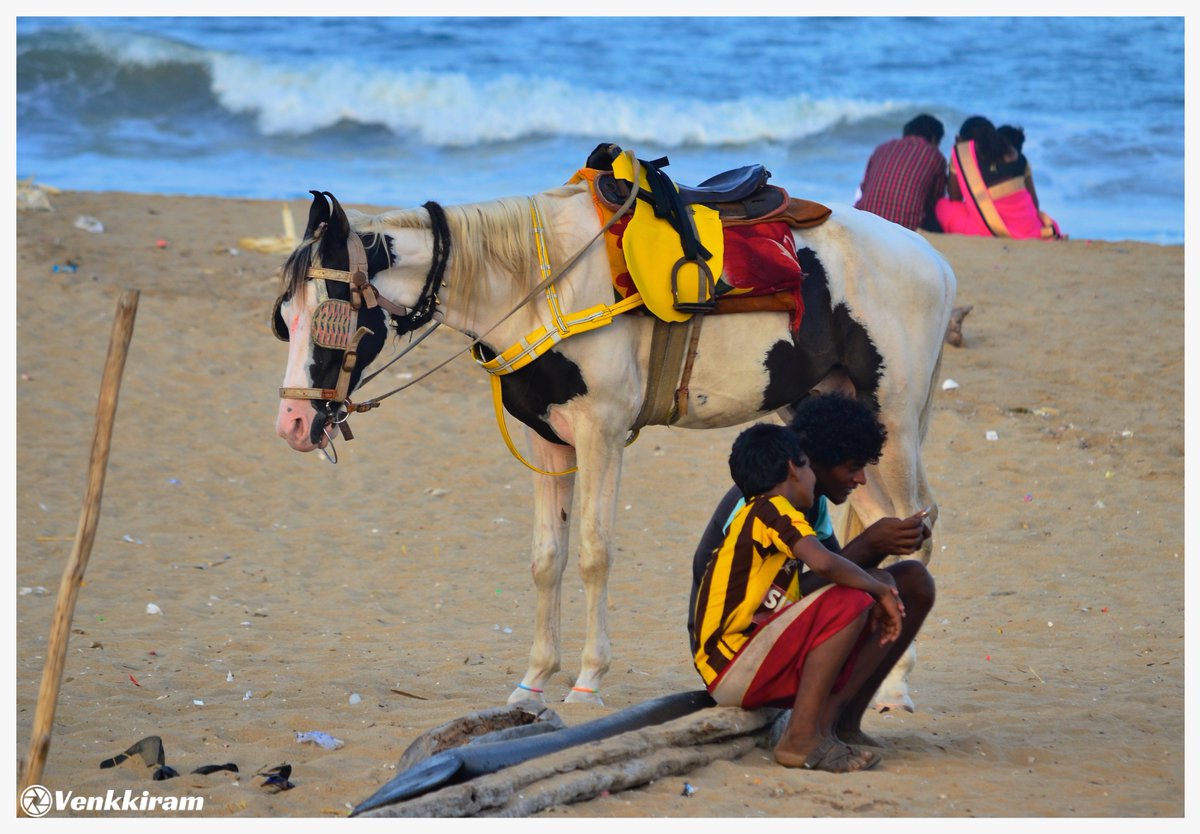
[760,259]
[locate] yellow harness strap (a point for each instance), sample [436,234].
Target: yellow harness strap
[498,405]
[543,339]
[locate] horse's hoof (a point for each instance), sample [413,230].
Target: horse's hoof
[520,694]
[575,696]
[896,703]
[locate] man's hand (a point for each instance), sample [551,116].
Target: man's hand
[887,615]
[896,536]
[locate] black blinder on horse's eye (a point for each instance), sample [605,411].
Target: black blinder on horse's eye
[278,325]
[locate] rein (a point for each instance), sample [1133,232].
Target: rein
[403,353]
[361,289]
[333,319]
[542,286]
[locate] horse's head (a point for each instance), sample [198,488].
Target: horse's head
[329,315]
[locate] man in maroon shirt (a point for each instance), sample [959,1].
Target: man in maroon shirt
[905,176]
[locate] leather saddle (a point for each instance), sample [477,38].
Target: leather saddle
[687,227]
[766,203]
[727,187]
[741,196]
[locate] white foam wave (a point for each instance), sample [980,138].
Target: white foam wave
[144,50]
[454,110]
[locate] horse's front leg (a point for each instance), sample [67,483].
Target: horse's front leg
[552,498]
[897,486]
[600,456]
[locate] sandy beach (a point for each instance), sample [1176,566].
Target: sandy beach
[1050,675]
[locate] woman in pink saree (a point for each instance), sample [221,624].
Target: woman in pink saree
[991,188]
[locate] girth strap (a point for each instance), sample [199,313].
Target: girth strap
[668,344]
[674,344]
[681,394]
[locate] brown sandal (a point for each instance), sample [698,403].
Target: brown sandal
[832,757]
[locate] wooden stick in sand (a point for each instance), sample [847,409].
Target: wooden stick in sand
[72,578]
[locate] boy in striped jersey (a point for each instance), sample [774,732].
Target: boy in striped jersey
[840,436]
[758,642]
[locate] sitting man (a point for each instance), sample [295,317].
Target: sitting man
[840,436]
[906,176]
[758,641]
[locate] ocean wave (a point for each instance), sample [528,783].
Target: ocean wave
[455,110]
[248,106]
[79,47]
[438,109]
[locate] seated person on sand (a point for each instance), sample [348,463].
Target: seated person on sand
[840,436]
[991,188]
[906,176]
[1015,138]
[759,642]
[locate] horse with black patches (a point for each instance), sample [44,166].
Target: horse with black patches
[877,300]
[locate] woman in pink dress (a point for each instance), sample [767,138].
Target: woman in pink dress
[991,188]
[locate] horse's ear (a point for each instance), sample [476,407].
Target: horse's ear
[602,157]
[318,213]
[338,222]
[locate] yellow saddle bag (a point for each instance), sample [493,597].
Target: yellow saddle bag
[672,286]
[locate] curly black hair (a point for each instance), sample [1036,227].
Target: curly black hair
[759,458]
[834,429]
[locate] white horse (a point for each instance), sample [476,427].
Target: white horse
[877,301]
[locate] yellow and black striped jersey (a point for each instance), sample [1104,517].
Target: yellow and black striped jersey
[750,577]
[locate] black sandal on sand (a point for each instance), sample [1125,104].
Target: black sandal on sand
[832,757]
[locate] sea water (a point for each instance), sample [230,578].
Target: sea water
[394,111]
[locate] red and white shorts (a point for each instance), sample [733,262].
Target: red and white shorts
[766,671]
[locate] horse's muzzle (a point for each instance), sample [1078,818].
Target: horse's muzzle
[301,425]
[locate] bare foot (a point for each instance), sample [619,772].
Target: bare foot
[795,752]
[954,334]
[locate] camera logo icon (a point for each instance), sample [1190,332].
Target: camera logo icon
[36,801]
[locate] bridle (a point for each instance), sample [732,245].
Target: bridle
[333,320]
[405,320]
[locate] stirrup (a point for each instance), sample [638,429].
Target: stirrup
[706,289]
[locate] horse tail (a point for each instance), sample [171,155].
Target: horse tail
[927,409]
[935,376]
